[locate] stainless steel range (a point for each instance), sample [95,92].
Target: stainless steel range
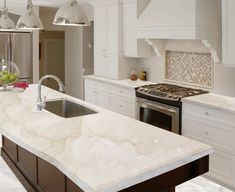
[160,105]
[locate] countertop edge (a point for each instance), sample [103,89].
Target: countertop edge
[117,82]
[202,104]
[118,186]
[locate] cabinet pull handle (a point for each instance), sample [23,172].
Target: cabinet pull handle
[207,113]
[121,106]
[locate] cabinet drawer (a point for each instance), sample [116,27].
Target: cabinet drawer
[97,85]
[215,115]
[222,167]
[27,164]
[221,137]
[125,92]
[10,148]
[122,106]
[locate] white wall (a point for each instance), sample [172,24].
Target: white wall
[73,59]
[79,58]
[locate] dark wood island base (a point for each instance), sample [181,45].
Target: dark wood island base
[38,175]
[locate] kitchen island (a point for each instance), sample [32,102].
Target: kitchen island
[103,152]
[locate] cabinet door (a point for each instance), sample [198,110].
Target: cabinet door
[101,65]
[113,28]
[101,29]
[27,164]
[91,95]
[10,148]
[122,106]
[50,179]
[103,99]
[129,33]
[228,8]
[71,187]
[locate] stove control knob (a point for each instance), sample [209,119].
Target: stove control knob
[145,90]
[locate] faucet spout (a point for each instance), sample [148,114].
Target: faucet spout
[40,103]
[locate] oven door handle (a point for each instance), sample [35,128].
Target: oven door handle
[155,106]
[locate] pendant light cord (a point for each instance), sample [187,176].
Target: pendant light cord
[30,5]
[5,9]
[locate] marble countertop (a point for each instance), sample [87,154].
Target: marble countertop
[215,101]
[103,152]
[124,83]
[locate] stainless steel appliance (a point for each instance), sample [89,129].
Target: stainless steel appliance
[160,105]
[17,47]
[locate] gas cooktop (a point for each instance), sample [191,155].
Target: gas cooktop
[167,91]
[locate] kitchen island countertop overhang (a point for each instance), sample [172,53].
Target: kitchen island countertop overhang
[103,152]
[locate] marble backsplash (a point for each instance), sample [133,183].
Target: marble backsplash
[189,67]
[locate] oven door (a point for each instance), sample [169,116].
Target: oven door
[160,115]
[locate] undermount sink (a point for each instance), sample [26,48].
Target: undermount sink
[67,109]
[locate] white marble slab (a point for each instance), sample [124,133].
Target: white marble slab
[104,152]
[124,83]
[8,181]
[211,100]
[201,184]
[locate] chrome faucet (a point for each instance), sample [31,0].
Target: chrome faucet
[41,104]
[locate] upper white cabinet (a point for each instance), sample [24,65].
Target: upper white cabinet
[228,9]
[133,47]
[109,59]
[106,29]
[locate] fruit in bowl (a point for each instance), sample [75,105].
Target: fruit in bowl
[9,74]
[7,78]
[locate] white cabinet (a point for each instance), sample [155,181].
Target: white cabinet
[217,129]
[101,29]
[132,47]
[106,65]
[228,7]
[96,97]
[109,60]
[106,29]
[110,96]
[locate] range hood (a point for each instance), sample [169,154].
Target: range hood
[180,19]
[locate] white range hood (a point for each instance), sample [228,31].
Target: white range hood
[180,19]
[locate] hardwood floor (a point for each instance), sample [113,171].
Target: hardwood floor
[9,183]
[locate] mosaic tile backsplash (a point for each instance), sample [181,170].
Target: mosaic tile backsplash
[189,67]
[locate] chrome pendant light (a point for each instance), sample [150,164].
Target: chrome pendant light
[6,23]
[71,14]
[29,20]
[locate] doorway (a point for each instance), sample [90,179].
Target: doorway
[52,56]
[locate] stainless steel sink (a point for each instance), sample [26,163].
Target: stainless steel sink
[67,109]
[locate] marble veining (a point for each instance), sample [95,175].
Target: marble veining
[211,100]
[94,151]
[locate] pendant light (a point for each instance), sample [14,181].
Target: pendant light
[29,20]
[71,14]
[6,23]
